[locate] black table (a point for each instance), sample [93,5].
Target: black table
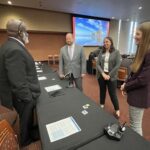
[52,79]
[68,105]
[45,68]
[130,141]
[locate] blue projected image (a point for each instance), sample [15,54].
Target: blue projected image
[90,32]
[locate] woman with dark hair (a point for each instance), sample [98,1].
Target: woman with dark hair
[137,86]
[108,63]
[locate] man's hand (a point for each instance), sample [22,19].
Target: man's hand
[62,76]
[82,75]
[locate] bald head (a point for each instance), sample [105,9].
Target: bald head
[15,27]
[69,38]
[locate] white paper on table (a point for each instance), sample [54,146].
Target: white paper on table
[62,129]
[39,71]
[37,68]
[53,88]
[36,63]
[42,78]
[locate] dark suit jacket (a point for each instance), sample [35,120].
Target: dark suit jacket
[138,85]
[18,75]
[114,64]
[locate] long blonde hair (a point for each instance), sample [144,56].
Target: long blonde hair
[143,47]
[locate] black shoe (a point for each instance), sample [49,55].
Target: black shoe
[34,134]
[26,143]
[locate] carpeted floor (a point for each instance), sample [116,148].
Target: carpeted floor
[91,89]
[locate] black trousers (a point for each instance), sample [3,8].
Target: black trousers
[112,86]
[25,111]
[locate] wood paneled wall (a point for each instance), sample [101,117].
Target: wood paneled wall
[41,44]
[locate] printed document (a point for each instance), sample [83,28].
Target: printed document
[53,88]
[62,129]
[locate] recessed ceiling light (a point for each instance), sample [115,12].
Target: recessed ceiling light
[9,2]
[140,7]
[112,17]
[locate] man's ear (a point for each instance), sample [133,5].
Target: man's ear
[21,34]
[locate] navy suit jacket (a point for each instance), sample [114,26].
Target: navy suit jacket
[18,75]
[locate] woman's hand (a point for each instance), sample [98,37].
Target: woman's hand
[123,93]
[123,90]
[122,86]
[105,76]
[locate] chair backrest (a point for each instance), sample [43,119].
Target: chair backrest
[56,58]
[122,73]
[8,139]
[50,56]
[50,59]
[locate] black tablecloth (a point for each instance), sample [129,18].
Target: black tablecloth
[68,105]
[130,141]
[52,79]
[45,69]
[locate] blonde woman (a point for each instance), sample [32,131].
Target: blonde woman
[137,85]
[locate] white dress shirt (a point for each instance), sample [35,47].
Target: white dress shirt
[71,50]
[106,62]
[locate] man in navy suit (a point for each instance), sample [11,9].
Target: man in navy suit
[19,86]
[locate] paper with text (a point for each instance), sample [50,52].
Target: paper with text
[62,129]
[42,78]
[53,88]
[39,71]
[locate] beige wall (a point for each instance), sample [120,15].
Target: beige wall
[87,50]
[49,21]
[114,25]
[53,22]
[123,40]
[37,20]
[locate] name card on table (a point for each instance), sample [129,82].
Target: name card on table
[39,71]
[62,129]
[53,88]
[36,63]
[37,68]
[42,78]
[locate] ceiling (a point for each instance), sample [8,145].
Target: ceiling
[120,9]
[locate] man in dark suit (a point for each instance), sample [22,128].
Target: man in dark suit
[19,86]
